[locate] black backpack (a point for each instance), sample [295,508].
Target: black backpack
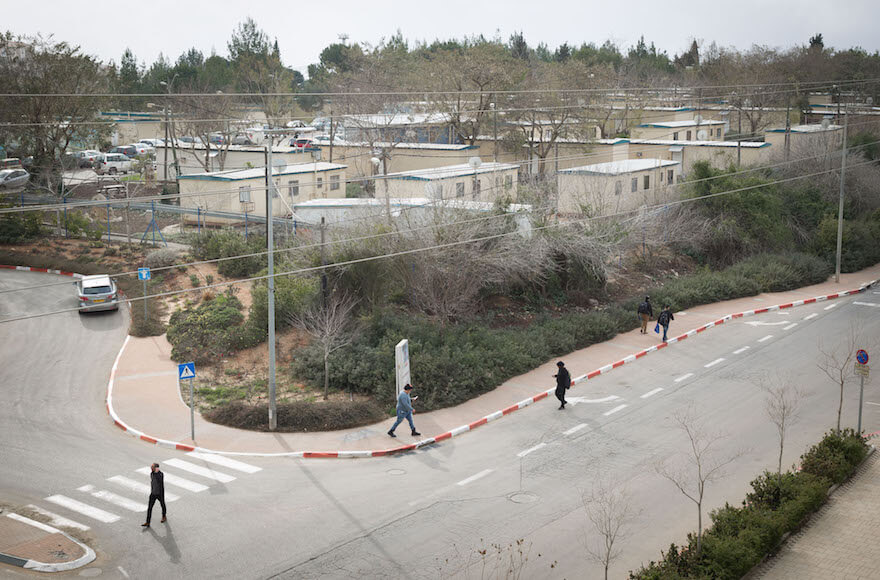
[643,308]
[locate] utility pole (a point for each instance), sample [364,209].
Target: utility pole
[331,133]
[787,129]
[739,132]
[165,149]
[323,263]
[270,197]
[840,206]
[495,130]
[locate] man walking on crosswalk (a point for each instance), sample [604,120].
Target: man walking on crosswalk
[157,492]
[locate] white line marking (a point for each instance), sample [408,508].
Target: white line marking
[178,481]
[768,337]
[34,523]
[113,498]
[59,520]
[139,487]
[870,403]
[83,508]
[615,409]
[790,326]
[575,429]
[651,393]
[867,304]
[714,362]
[225,462]
[473,478]
[741,350]
[683,377]
[198,470]
[830,306]
[124,573]
[813,315]
[530,449]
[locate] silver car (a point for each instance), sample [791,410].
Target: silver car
[13,178]
[96,293]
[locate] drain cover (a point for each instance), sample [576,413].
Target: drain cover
[523,497]
[396,472]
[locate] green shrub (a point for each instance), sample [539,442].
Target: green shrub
[210,330]
[292,295]
[194,280]
[836,456]
[211,245]
[859,248]
[161,258]
[300,416]
[18,228]
[209,279]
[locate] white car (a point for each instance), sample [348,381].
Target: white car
[143,148]
[13,178]
[113,163]
[153,142]
[96,293]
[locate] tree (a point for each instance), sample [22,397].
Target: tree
[519,48]
[704,464]
[609,510]
[328,323]
[782,405]
[837,360]
[203,116]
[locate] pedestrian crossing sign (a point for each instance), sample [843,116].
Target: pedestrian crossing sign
[186,370]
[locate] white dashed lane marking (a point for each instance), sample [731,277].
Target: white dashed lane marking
[813,315]
[790,326]
[530,449]
[768,337]
[867,304]
[474,478]
[575,429]
[683,377]
[714,362]
[741,350]
[615,409]
[651,393]
[830,306]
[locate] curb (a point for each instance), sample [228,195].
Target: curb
[454,432]
[37,566]
[43,270]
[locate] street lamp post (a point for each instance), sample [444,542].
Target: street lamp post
[168,85]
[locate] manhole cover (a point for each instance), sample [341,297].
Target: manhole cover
[396,472]
[523,497]
[91,572]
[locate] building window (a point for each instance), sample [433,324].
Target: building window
[647,180]
[320,184]
[718,132]
[334,182]
[669,176]
[618,187]
[688,135]
[508,181]
[459,189]
[293,188]
[661,177]
[244,193]
[477,186]
[634,187]
[675,136]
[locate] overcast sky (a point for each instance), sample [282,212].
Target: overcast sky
[149,27]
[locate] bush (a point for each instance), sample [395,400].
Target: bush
[300,416]
[161,258]
[194,280]
[18,228]
[212,245]
[836,456]
[206,332]
[292,295]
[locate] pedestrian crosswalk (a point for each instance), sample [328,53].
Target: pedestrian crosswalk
[123,494]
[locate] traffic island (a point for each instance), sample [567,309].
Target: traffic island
[33,545]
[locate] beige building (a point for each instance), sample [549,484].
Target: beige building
[687,130]
[486,183]
[616,186]
[806,140]
[131,127]
[195,158]
[401,156]
[236,190]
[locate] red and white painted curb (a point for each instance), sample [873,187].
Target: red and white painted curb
[44,270]
[463,428]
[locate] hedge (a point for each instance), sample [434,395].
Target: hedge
[740,537]
[300,416]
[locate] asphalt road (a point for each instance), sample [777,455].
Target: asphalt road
[420,515]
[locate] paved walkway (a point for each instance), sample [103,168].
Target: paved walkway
[30,544]
[146,395]
[839,542]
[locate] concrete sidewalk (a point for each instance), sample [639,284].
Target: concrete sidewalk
[838,542]
[146,396]
[33,545]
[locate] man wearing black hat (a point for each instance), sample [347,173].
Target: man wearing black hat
[563,382]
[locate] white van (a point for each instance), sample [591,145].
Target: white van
[113,163]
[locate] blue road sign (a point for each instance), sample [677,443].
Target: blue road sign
[144,274]
[862,357]
[186,370]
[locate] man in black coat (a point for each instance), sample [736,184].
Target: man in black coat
[563,382]
[157,492]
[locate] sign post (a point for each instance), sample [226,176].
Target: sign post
[401,360]
[144,274]
[187,371]
[863,370]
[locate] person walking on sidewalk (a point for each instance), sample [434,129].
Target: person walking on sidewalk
[563,383]
[645,313]
[157,492]
[664,318]
[404,411]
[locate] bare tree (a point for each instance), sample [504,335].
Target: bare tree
[204,117]
[837,360]
[782,405]
[705,463]
[609,510]
[329,323]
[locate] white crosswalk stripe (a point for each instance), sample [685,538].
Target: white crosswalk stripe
[199,470]
[178,481]
[83,508]
[224,461]
[113,498]
[138,486]
[57,520]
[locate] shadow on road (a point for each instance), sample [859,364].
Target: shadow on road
[167,541]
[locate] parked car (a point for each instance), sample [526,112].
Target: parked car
[13,178]
[86,158]
[302,143]
[10,163]
[153,142]
[113,163]
[96,293]
[242,139]
[144,149]
[127,150]
[216,139]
